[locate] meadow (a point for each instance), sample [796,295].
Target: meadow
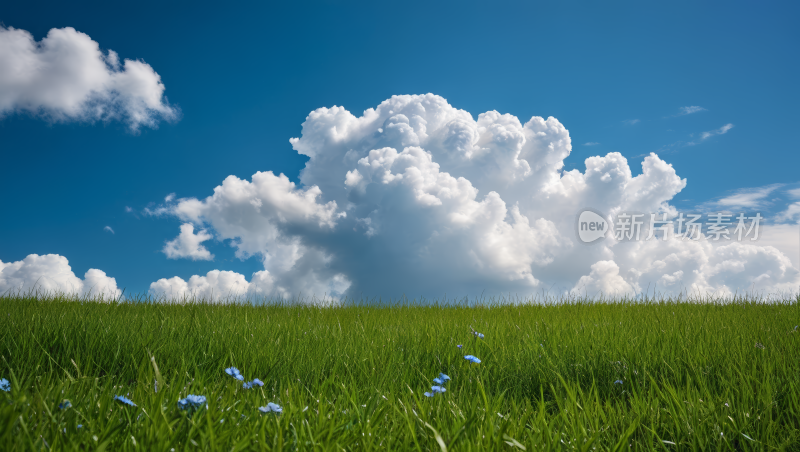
[553,375]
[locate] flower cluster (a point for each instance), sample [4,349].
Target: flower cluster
[234,372]
[191,402]
[472,359]
[440,381]
[478,335]
[271,408]
[255,382]
[5,385]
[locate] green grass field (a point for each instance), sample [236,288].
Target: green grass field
[690,376]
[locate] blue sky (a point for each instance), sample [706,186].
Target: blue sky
[245,77]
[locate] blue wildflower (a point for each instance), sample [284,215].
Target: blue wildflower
[436,389]
[192,401]
[234,372]
[429,394]
[459,345]
[253,383]
[64,405]
[80,425]
[443,376]
[124,400]
[472,359]
[271,408]
[5,385]
[618,382]
[477,334]
[438,381]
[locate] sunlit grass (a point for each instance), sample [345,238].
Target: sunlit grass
[713,375]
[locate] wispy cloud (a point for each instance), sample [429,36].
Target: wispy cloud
[683,111]
[630,122]
[792,210]
[690,110]
[591,143]
[750,198]
[721,131]
[108,228]
[128,209]
[169,197]
[706,135]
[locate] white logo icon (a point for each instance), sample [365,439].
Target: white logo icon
[591,226]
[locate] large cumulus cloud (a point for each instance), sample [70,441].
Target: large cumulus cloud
[66,77]
[417,197]
[51,274]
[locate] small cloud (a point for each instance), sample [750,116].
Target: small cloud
[188,245]
[158,211]
[690,110]
[706,135]
[66,77]
[721,131]
[591,143]
[170,197]
[630,122]
[794,193]
[750,198]
[108,228]
[128,209]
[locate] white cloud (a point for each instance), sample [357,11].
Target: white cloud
[128,209]
[690,110]
[108,228]
[794,193]
[721,131]
[630,122]
[706,135]
[223,286]
[214,286]
[792,213]
[419,198]
[51,274]
[66,77]
[591,143]
[783,237]
[751,198]
[188,245]
[705,267]
[603,281]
